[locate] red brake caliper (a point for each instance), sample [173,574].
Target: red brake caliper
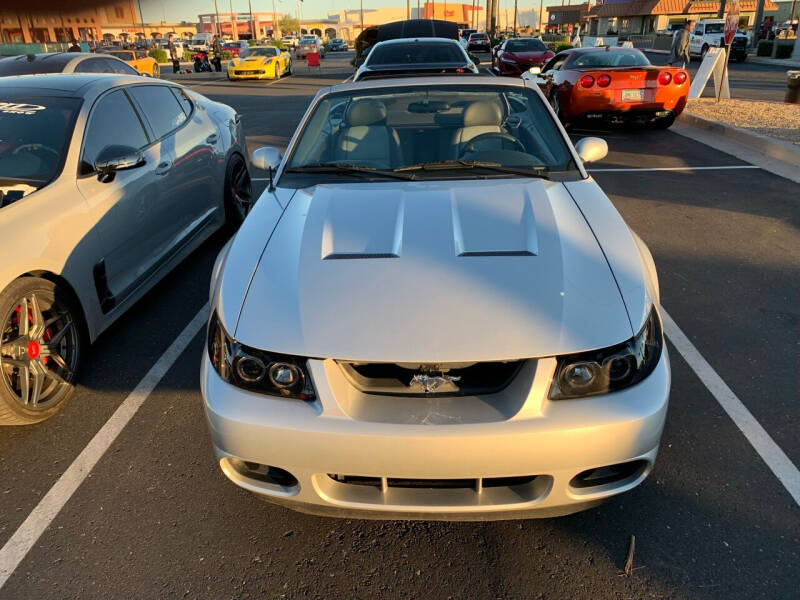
[48,333]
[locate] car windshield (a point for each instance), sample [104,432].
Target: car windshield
[416,53]
[478,36]
[715,27]
[426,132]
[525,45]
[619,58]
[263,52]
[34,136]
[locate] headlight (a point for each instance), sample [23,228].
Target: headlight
[609,369]
[257,370]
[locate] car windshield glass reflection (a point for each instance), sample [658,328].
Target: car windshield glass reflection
[525,45]
[264,52]
[34,135]
[611,59]
[432,132]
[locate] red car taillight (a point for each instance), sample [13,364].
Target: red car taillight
[664,77]
[586,81]
[680,77]
[604,80]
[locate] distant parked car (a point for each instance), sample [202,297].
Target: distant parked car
[517,55]
[261,62]
[107,183]
[290,41]
[337,45]
[478,42]
[238,49]
[310,44]
[710,33]
[64,62]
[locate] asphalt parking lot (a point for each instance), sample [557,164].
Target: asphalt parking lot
[154,517]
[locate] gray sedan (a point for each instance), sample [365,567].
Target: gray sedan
[107,182]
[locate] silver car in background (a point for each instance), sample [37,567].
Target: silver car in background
[107,182]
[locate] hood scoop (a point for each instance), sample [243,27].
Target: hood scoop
[504,226]
[361,226]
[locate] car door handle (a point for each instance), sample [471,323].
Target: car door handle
[163,168]
[212,139]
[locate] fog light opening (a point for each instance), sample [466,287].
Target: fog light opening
[264,473]
[608,474]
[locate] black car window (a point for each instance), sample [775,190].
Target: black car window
[524,45]
[698,30]
[35,132]
[415,53]
[112,121]
[94,65]
[117,66]
[555,63]
[183,100]
[159,107]
[616,58]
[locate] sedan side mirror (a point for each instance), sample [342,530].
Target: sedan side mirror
[116,158]
[267,159]
[591,149]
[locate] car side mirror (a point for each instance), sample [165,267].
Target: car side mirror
[116,158]
[591,149]
[267,158]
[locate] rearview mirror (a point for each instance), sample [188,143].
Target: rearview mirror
[591,149]
[267,158]
[116,158]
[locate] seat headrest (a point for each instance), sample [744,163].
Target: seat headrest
[482,113]
[365,112]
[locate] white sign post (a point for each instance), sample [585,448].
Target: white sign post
[713,63]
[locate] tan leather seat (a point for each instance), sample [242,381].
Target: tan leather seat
[478,118]
[365,139]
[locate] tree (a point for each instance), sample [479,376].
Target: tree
[289,24]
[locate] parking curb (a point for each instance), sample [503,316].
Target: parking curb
[776,156]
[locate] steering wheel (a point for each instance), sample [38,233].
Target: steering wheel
[492,135]
[30,148]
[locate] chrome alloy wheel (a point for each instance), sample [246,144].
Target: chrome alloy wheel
[38,351]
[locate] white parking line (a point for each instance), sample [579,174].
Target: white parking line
[28,533]
[775,458]
[629,169]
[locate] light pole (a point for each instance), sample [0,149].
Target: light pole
[541,9]
[362,16]
[234,28]
[757,22]
[515,18]
[217,27]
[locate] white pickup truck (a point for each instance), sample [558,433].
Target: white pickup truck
[710,33]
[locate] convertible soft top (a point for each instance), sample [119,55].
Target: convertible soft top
[417,28]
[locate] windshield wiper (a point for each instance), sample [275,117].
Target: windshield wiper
[446,165]
[335,167]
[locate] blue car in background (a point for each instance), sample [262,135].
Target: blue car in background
[337,45]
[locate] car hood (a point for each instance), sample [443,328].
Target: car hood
[432,272]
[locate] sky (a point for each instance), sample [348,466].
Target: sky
[187,10]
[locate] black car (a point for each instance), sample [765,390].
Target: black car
[478,42]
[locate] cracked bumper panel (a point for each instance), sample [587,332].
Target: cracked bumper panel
[378,448]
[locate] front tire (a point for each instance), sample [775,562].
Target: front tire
[238,192]
[41,346]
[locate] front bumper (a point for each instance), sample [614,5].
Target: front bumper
[482,441]
[265,72]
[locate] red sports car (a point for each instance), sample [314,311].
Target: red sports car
[613,85]
[517,55]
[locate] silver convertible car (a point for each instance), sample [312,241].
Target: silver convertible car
[433,312]
[106,183]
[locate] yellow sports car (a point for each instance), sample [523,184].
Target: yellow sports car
[261,62]
[138,59]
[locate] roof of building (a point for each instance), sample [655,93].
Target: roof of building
[669,7]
